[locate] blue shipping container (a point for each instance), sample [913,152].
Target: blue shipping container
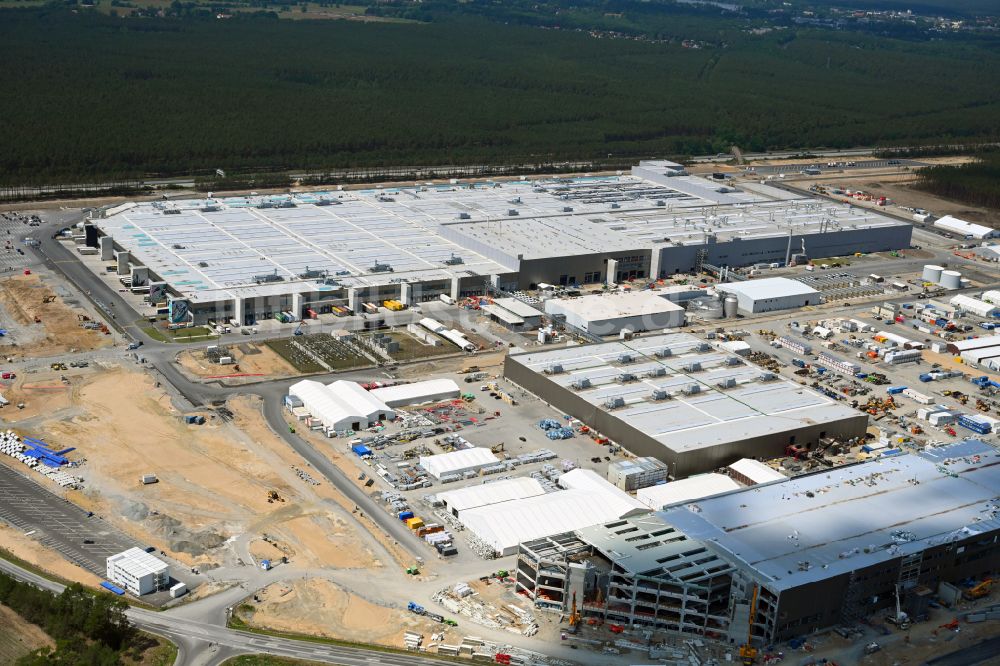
[926,378]
[893,390]
[113,588]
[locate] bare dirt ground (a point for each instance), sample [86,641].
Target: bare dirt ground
[489,362]
[320,607]
[25,548]
[23,298]
[18,637]
[261,361]
[899,188]
[213,479]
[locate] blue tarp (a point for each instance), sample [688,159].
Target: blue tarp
[361,450]
[113,588]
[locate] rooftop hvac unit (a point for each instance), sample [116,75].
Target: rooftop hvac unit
[703,347]
[659,394]
[211,208]
[615,206]
[386,198]
[727,383]
[732,360]
[380,268]
[693,366]
[567,209]
[554,369]
[515,200]
[660,203]
[310,273]
[581,384]
[326,202]
[286,204]
[625,358]
[664,352]
[512,212]
[268,277]
[454,260]
[177,246]
[464,216]
[202,264]
[172,211]
[766,377]
[614,403]
[626,377]
[265,204]
[692,389]
[657,372]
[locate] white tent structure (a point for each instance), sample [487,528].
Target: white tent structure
[458,462]
[503,526]
[974,305]
[416,393]
[965,229]
[342,405]
[487,494]
[591,481]
[685,490]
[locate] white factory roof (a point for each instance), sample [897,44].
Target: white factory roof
[356,398]
[964,228]
[417,392]
[975,343]
[600,307]
[685,490]
[762,288]
[212,249]
[756,471]
[503,526]
[517,307]
[823,525]
[589,480]
[138,562]
[457,461]
[752,407]
[491,493]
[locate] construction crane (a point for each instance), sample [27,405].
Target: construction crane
[979,591]
[900,619]
[574,616]
[748,653]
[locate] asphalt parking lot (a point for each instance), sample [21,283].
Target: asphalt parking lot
[58,524]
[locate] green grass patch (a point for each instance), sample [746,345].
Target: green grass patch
[181,335]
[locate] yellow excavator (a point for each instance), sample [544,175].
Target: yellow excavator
[748,653]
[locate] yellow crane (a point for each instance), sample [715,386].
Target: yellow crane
[574,616]
[748,653]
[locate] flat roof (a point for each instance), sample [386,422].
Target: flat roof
[502,314]
[835,521]
[493,492]
[753,406]
[756,471]
[762,288]
[138,562]
[518,307]
[211,249]
[685,490]
[602,307]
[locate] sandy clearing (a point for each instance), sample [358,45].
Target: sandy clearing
[319,607]
[261,361]
[24,296]
[18,637]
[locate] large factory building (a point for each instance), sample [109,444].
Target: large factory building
[249,257]
[677,398]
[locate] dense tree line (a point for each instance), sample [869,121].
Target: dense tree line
[976,183]
[89,629]
[88,97]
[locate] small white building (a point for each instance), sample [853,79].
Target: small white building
[638,473]
[771,294]
[752,472]
[609,314]
[431,390]
[686,490]
[138,572]
[964,229]
[458,462]
[514,314]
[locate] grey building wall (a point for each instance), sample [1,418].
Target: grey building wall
[575,269]
[742,252]
[689,462]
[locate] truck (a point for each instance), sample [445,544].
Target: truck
[798,363]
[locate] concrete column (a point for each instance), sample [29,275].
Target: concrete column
[354,300]
[654,263]
[455,291]
[123,259]
[140,276]
[107,245]
[612,272]
[297,304]
[406,293]
[238,310]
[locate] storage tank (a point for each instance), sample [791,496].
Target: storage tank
[730,304]
[951,279]
[932,273]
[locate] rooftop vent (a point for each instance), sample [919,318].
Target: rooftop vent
[625,359]
[310,273]
[693,366]
[454,260]
[692,389]
[581,384]
[656,372]
[659,394]
[380,268]
[202,264]
[626,377]
[554,369]
[665,352]
[732,360]
[614,403]
[512,212]
[464,216]
[268,277]
[703,347]
[567,209]
[660,203]
[766,377]
[727,383]
[172,211]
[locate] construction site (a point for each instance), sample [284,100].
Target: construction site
[613,418]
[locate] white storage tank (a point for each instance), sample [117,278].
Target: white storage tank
[932,273]
[951,279]
[730,304]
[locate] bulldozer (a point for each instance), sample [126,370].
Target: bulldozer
[273,496]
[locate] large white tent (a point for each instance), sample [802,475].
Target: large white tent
[458,462]
[342,405]
[431,390]
[685,490]
[462,499]
[591,481]
[503,526]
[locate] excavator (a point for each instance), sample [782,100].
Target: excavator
[979,591]
[748,653]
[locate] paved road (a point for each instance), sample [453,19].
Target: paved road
[974,654]
[840,166]
[198,639]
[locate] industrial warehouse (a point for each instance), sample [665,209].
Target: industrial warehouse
[805,554]
[246,258]
[680,400]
